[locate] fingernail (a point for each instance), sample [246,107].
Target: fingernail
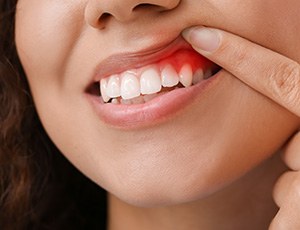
[202,38]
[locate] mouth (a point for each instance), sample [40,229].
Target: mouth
[134,89]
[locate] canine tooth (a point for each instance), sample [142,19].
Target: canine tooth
[150,81]
[113,86]
[103,86]
[169,76]
[130,86]
[115,101]
[198,76]
[207,74]
[186,75]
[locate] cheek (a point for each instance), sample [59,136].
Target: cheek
[210,146]
[45,40]
[193,155]
[279,21]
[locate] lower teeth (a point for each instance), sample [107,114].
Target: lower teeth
[137,100]
[142,98]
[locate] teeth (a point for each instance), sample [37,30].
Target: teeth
[138,100]
[115,101]
[149,97]
[198,76]
[207,74]
[126,102]
[113,87]
[186,75]
[169,76]
[150,81]
[103,88]
[130,86]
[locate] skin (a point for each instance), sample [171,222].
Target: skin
[279,80]
[228,132]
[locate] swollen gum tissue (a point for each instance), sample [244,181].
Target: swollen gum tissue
[181,57]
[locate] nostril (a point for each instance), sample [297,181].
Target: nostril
[148,6]
[104,17]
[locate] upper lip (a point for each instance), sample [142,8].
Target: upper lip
[121,62]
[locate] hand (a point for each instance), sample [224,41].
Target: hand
[278,78]
[270,73]
[287,190]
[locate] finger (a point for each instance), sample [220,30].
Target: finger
[291,155]
[288,216]
[279,222]
[287,188]
[282,187]
[285,219]
[287,196]
[270,73]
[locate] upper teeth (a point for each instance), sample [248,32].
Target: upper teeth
[130,84]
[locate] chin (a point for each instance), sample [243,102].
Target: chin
[157,180]
[158,193]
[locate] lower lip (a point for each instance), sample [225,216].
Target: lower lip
[160,109]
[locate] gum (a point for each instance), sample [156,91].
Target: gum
[191,57]
[177,60]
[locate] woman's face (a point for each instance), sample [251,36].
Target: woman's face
[180,146]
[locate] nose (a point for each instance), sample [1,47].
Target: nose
[98,12]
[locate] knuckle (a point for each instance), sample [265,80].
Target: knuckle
[285,82]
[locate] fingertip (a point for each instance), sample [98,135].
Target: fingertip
[291,153]
[202,38]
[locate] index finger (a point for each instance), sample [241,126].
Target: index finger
[270,73]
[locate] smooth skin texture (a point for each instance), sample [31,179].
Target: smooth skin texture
[197,175]
[279,79]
